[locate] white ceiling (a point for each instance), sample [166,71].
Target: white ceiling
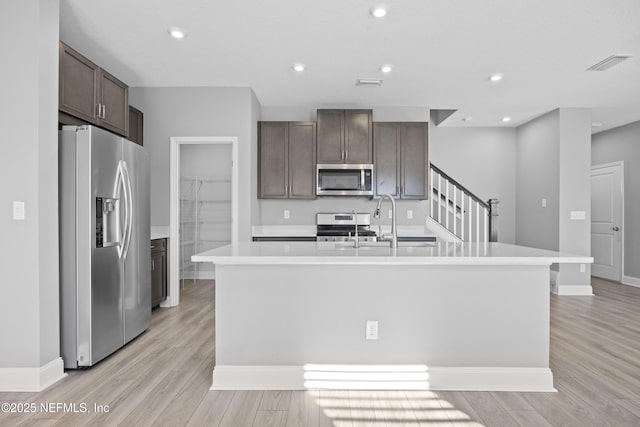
[443,52]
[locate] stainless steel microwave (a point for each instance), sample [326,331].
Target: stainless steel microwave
[344,180]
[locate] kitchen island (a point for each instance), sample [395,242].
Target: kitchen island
[449,316]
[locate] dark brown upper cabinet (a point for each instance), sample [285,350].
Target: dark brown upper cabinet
[345,136]
[401,159]
[286,160]
[90,93]
[136,125]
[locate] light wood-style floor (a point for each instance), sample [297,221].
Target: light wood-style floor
[162,378]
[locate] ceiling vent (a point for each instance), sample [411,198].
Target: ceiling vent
[609,62]
[368,82]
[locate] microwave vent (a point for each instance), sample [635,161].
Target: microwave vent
[609,62]
[368,82]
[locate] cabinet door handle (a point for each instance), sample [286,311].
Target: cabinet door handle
[99,108]
[104,111]
[153,264]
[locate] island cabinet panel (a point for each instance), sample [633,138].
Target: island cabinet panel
[344,136]
[401,159]
[286,165]
[90,93]
[158,271]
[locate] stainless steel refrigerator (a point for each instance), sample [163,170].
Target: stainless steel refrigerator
[105,258]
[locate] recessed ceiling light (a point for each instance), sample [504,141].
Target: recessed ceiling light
[466,119]
[177,33]
[379,11]
[506,119]
[298,67]
[496,77]
[386,68]
[596,124]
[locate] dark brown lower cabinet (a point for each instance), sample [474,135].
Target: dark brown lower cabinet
[158,271]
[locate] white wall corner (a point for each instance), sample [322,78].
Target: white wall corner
[631,281]
[31,379]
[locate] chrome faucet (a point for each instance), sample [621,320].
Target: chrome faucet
[356,242]
[376,214]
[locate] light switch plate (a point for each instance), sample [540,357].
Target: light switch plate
[578,215]
[390,214]
[18,211]
[544,203]
[371,332]
[409,214]
[286,214]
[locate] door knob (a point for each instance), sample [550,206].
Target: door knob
[616,228]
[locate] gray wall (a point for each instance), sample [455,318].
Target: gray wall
[537,177]
[617,144]
[380,113]
[483,159]
[197,111]
[553,162]
[28,159]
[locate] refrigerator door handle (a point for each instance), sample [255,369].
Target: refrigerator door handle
[121,179]
[118,188]
[130,209]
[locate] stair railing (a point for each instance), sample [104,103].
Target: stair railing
[460,211]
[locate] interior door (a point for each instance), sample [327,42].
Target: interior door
[606,221]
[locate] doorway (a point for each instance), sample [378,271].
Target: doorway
[203,204]
[607,217]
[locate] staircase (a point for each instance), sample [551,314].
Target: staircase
[458,215]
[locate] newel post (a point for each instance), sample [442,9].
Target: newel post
[493,219]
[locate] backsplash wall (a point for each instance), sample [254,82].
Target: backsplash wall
[303,212]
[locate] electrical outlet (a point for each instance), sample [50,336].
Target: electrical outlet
[18,211]
[583,268]
[409,214]
[544,203]
[390,214]
[371,332]
[286,214]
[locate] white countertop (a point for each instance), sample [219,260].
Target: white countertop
[441,253]
[159,232]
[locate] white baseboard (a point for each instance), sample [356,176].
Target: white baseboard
[573,290]
[228,377]
[631,281]
[31,379]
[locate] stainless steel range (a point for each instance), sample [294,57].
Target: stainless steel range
[342,227]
